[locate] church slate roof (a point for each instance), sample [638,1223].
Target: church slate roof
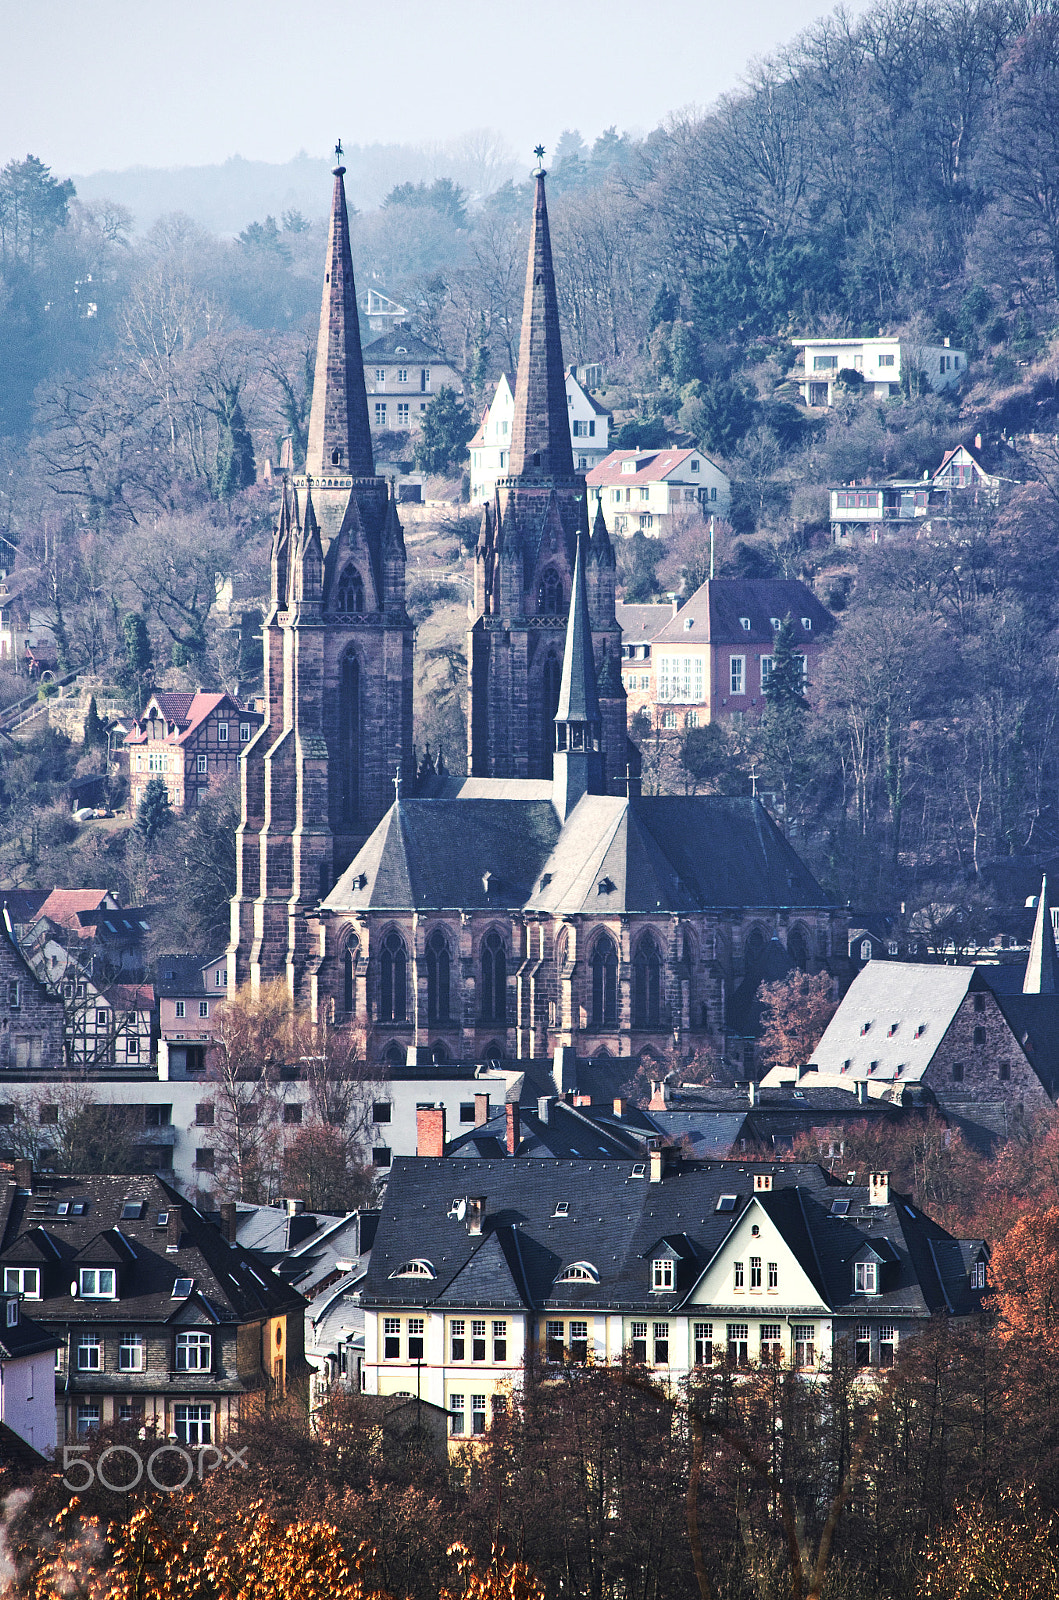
[614,854]
[540,1216]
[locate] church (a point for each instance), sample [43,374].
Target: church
[540,901]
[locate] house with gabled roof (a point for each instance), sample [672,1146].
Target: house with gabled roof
[481,1268]
[402,373]
[161,1321]
[187,740]
[641,491]
[590,425]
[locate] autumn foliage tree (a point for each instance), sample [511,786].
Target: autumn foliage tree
[797,1010]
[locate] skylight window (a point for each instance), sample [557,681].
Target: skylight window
[132,1211]
[78,1208]
[727,1202]
[182,1288]
[163,1219]
[562,1208]
[639,1169]
[840,1208]
[63,1208]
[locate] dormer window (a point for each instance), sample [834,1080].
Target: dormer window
[866,1277]
[12,1313]
[689,623]
[579,1272]
[744,623]
[774,623]
[807,624]
[978,1275]
[99,1283]
[418,1267]
[662,1275]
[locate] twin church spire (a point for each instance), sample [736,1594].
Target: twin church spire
[339,434]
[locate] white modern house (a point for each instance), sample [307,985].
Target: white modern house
[882,363]
[589,434]
[642,490]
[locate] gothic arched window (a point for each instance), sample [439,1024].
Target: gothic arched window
[550,595]
[754,949]
[393,984]
[349,596]
[798,947]
[646,984]
[604,983]
[494,979]
[349,736]
[349,975]
[438,986]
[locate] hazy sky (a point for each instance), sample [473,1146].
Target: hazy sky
[92,84]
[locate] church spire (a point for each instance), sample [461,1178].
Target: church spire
[577,766]
[1042,966]
[339,436]
[540,431]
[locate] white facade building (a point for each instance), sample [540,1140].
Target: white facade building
[642,490]
[589,435]
[883,364]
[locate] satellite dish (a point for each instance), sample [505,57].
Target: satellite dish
[458,1209]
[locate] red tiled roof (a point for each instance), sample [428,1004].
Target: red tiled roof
[175,704]
[62,906]
[130,996]
[651,466]
[196,708]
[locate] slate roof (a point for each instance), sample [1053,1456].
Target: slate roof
[640,624]
[668,853]
[188,712]
[1034,1020]
[615,1219]
[921,999]
[399,342]
[716,607]
[182,975]
[229,1283]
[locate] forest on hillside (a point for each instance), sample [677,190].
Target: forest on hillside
[894,170]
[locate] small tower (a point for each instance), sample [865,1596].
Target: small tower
[1042,965]
[578,761]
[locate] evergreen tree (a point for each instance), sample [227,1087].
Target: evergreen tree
[447,428]
[136,664]
[234,468]
[783,730]
[785,690]
[154,812]
[95,728]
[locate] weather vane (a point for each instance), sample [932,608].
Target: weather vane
[338,152]
[538,151]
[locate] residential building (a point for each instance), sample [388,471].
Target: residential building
[959,489]
[31,1013]
[27,1375]
[640,626]
[481,1268]
[885,365]
[187,740]
[191,991]
[402,373]
[590,424]
[15,618]
[712,657]
[162,1322]
[381,313]
[989,1061]
[643,491]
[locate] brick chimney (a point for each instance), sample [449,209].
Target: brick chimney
[658,1164]
[24,1174]
[582,1099]
[430,1131]
[514,1127]
[878,1188]
[659,1095]
[619,1108]
[174,1230]
[481,1110]
[544,1107]
[228,1221]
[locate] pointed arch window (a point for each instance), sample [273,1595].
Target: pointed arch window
[349,737]
[754,949]
[438,977]
[604,983]
[798,947]
[349,596]
[349,975]
[550,595]
[494,979]
[647,984]
[393,980]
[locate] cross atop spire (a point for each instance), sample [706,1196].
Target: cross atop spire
[338,153]
[540,431]
[339,435]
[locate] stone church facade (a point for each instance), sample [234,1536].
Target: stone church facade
[540,901]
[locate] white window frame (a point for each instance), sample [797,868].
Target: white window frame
[98,1283]
[662,1274]
[131,1353]
[866,1277]
[191,1347]
[179,1010]
[90,1352]
[193,1423]
[737,675]
[18,1279]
